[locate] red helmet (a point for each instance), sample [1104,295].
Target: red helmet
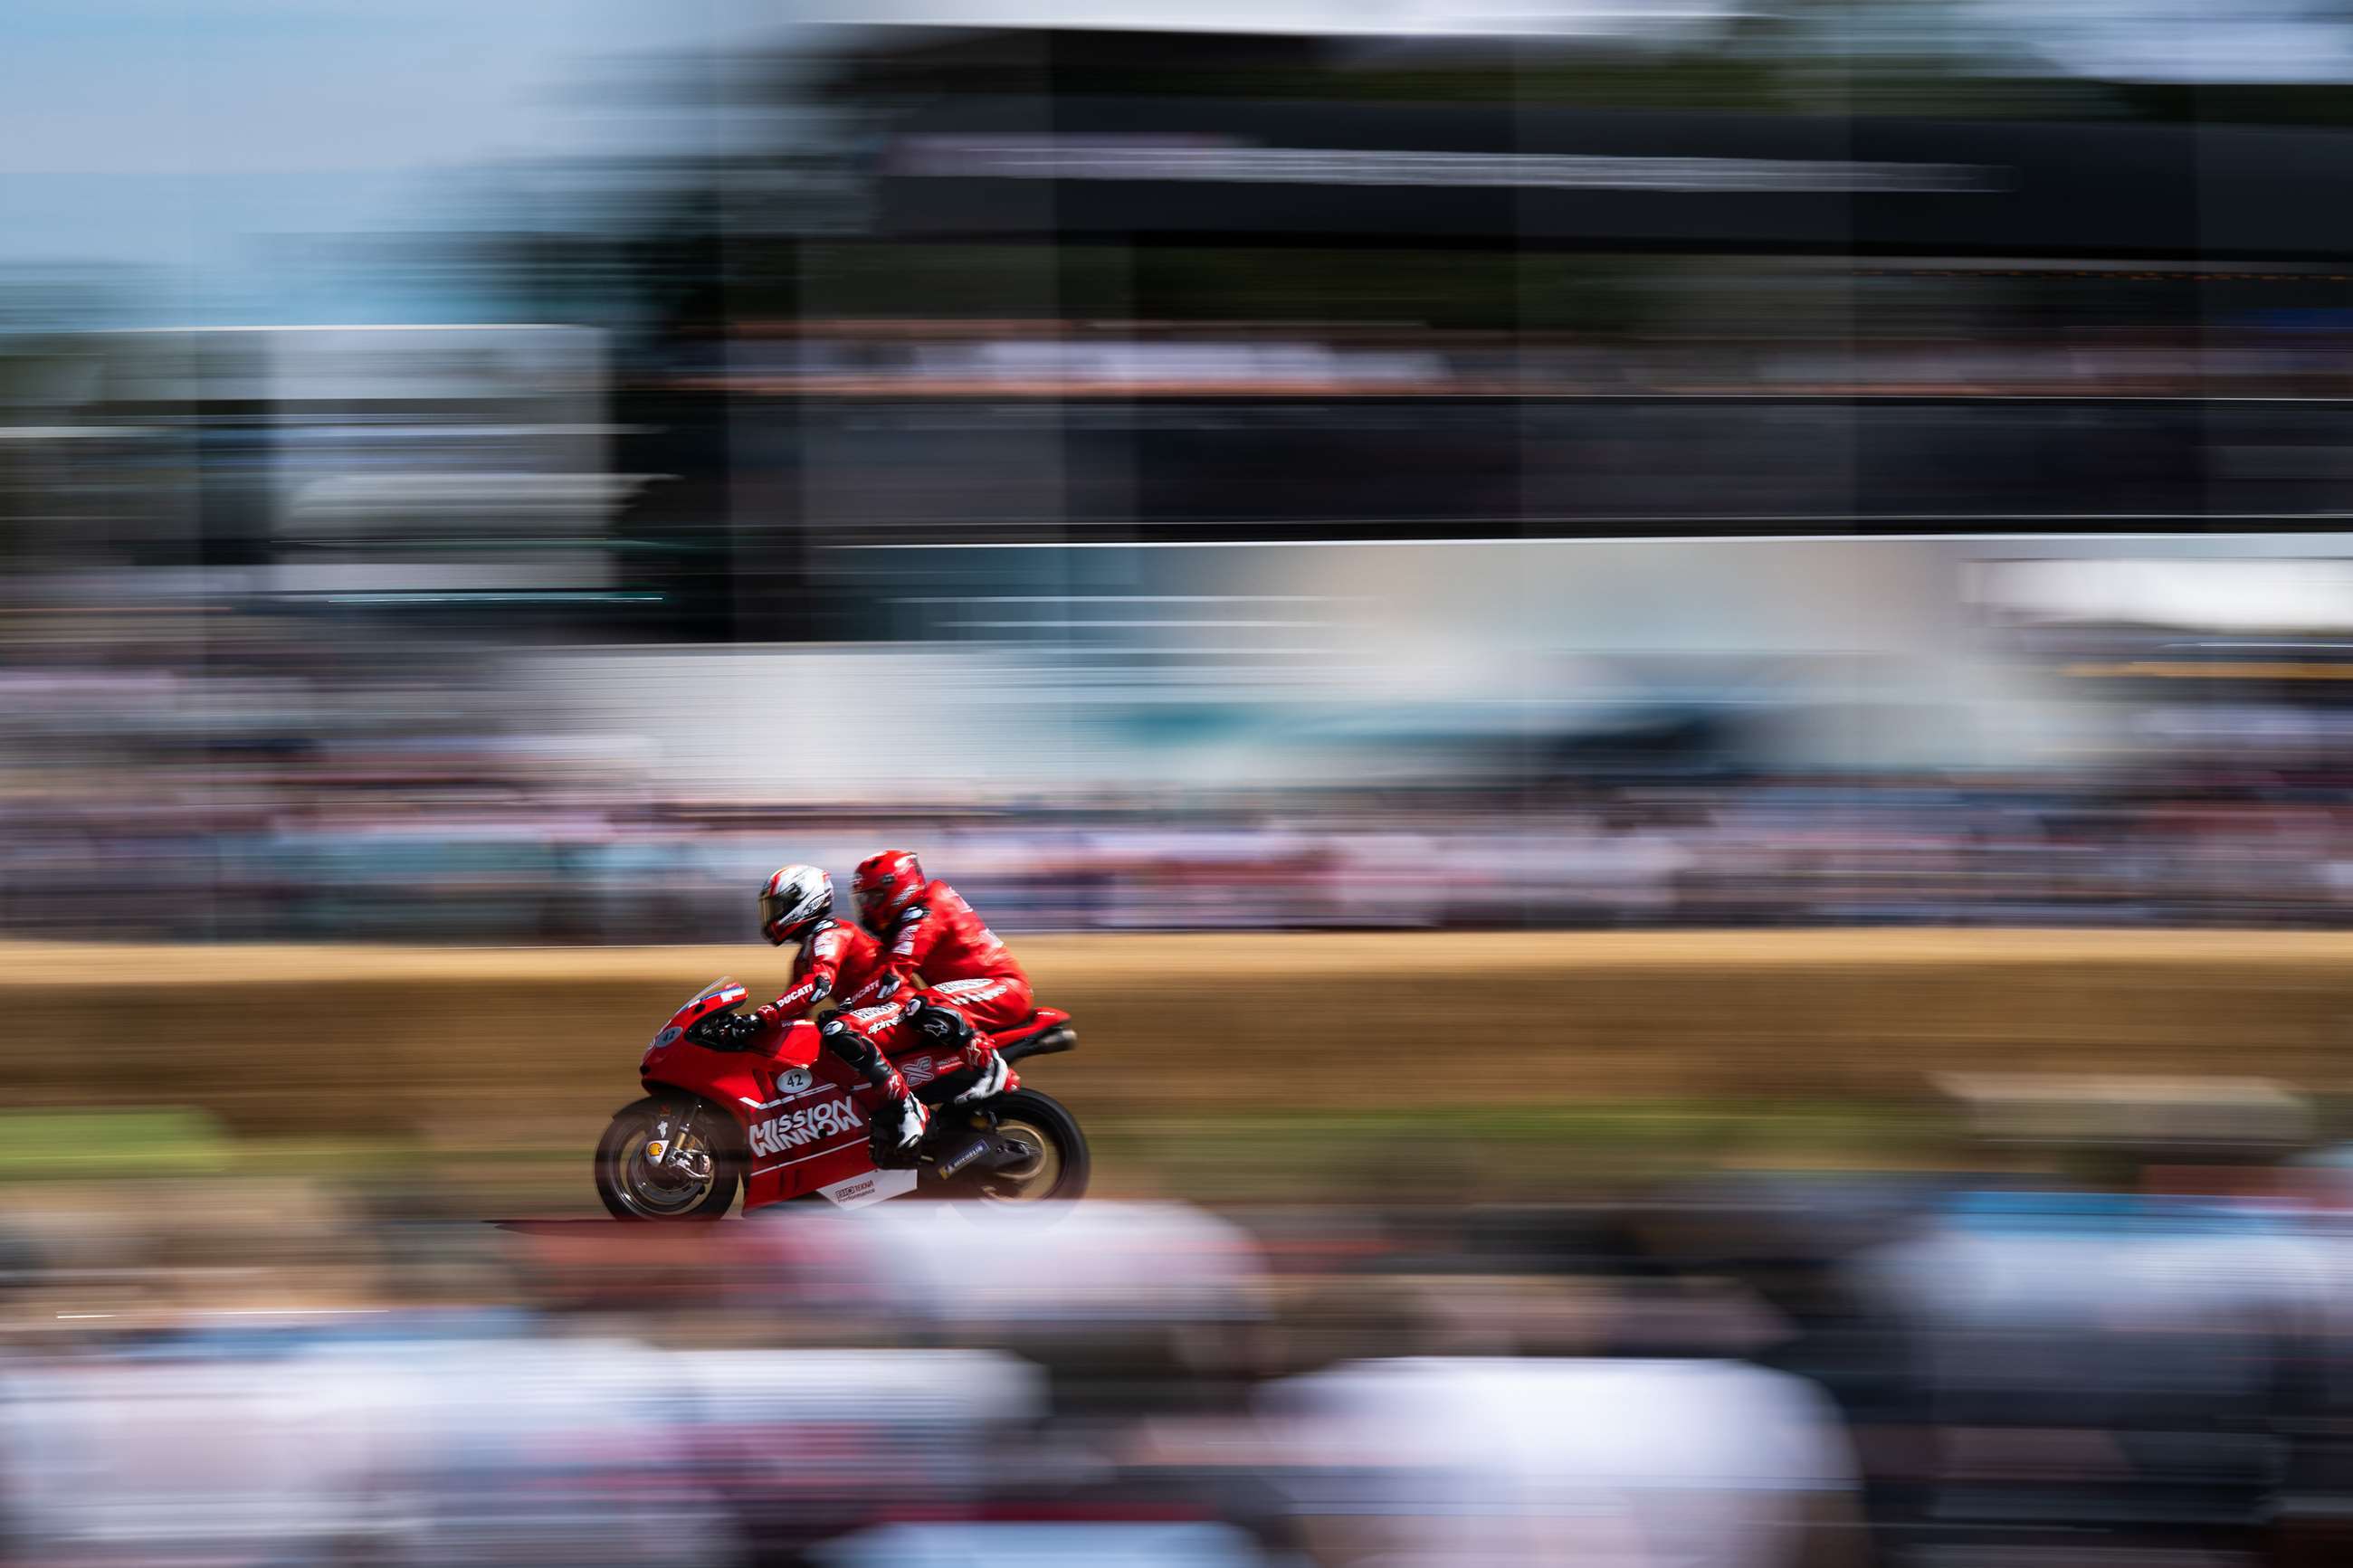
[885,884]
[795,899]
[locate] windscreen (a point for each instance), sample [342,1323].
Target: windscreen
[723,983]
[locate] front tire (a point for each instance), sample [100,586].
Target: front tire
[633,1187]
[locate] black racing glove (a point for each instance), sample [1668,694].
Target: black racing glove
[734,1028]
[940,1026]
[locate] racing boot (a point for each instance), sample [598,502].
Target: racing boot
[995,1073]
[899,1126]
[900,1119]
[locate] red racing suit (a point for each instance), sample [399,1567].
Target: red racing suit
[945,953]
[836,959]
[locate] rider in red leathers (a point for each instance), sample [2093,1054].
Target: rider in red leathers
[965,982]
[837,958]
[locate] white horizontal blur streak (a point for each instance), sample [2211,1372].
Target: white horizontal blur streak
[464,1449]
[1535,1460]
[1203,158]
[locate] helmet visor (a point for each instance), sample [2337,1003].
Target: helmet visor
[774,907]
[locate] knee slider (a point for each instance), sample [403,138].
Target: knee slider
[843,1041]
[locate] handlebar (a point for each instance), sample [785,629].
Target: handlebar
[704,1032]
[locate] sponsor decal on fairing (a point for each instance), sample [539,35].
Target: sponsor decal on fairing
[792,1083]
[871,1188]
[810,1124]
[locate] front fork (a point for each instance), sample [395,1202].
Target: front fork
[670,1152]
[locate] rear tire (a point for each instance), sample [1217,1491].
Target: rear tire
[1064,1166]
[632,1189]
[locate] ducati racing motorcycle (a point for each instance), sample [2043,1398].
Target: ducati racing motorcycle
[782,1119]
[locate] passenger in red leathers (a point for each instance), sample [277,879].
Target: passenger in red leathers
[964,983]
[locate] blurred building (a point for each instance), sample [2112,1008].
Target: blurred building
[1865,463]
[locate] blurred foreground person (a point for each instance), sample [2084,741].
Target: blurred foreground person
[963,979]
[2154,1368]
[2133,1355]
[1424,1460]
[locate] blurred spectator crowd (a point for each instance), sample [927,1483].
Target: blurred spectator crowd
[1759,1371]
[194,800]
[539,867]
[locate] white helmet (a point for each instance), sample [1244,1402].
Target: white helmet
[796,899]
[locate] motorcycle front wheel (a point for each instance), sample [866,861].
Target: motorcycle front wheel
[635,1184]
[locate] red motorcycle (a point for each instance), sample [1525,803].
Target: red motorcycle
[784,1119]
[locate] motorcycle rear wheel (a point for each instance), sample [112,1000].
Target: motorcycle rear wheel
[1062,1167]
[633,1188]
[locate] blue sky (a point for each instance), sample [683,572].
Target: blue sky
[188,138]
